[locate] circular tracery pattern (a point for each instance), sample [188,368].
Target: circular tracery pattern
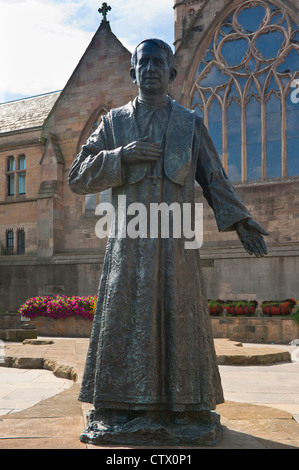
[254,57]
[265,32]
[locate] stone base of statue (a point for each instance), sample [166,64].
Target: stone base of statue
[152,429]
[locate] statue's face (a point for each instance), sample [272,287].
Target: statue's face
[152,73]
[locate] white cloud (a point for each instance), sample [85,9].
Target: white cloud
[41,48]
[45,39]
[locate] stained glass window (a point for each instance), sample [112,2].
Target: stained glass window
[247,90]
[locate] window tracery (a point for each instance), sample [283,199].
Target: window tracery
[246,91]
[16,174]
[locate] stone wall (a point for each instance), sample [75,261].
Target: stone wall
[274,204]
[20,211]
[244,329]
[30,277]
[230,272]
[256,329]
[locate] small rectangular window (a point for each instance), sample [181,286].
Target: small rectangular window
[11,185]
[105,196]
[11,164]
[10,176]
[22,162]
[90,202]
[22,183]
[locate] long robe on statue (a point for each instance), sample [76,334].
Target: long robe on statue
[151,345]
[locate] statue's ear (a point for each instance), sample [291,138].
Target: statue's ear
[133,74]
[173,75]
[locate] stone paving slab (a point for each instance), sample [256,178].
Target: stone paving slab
[72,352]
[22,389]
[275,426]
[56,423]
[235,353]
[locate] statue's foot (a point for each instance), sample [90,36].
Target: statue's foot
[145,429]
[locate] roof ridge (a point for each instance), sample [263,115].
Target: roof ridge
[31,97]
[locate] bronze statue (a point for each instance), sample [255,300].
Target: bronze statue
[151,370]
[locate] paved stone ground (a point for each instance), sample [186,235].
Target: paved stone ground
[23,388]
[260,410]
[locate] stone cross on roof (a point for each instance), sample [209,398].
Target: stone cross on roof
[104,10]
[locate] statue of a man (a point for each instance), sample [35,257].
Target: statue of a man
[151,370]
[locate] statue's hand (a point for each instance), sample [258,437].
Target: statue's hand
[140,151]
[251,235]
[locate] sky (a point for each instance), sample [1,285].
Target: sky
[45,39]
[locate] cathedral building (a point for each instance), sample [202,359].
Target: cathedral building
[238,68]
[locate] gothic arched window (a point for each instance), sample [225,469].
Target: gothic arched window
[246,90]
[91,125]
[92,200]
[21,241]
[10,242]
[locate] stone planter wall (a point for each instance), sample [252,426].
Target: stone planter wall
[256,329]
[72,327]
[246,329]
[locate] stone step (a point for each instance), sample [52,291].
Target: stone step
[17,334]
[13,327]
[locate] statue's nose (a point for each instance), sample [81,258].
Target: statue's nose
[150,64]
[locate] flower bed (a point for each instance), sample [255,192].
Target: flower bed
[283,307]
[240,307]
[215,306]
[248,307]
[232,307]
[59,306]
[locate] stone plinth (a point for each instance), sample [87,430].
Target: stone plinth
[12,328]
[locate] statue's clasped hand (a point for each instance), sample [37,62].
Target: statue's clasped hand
[141,151]
[252,235]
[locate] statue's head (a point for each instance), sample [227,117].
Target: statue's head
[153,66]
